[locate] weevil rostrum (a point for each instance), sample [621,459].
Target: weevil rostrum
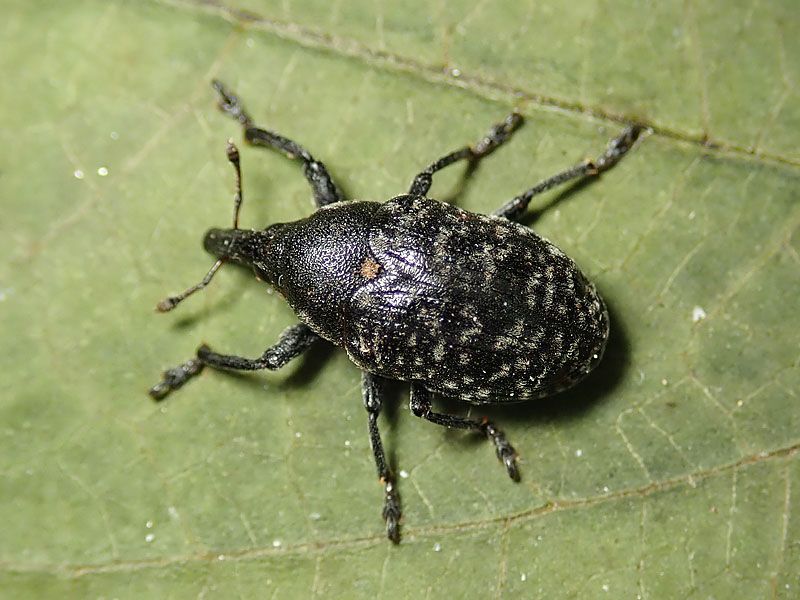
[469,306]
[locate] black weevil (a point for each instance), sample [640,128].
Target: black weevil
[470,306]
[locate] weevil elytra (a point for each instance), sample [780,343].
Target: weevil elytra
[474,307]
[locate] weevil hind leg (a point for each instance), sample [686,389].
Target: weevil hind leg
[324,190]
[616,149]
[421,406]
[372,388]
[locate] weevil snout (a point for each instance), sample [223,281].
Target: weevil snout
[225,243]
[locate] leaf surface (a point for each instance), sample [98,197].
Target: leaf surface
[671,472]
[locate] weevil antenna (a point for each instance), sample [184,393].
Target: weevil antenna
[168,304]
[233,156]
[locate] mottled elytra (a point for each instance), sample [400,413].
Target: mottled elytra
[470,306]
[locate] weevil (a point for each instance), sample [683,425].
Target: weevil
[469,306]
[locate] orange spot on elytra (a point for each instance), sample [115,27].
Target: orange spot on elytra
[370,268]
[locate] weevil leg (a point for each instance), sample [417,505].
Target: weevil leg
[372,391]
[322,186]
[616,149]
[293,342]
[421,407]
[174,378]
[497,136]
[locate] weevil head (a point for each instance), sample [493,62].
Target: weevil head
[315,263]
[259,250]
[236,245]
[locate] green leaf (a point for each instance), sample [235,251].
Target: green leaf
[668,473]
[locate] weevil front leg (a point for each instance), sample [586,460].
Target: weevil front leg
[322,186]
[421,407]
[372,391]
[293,342]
